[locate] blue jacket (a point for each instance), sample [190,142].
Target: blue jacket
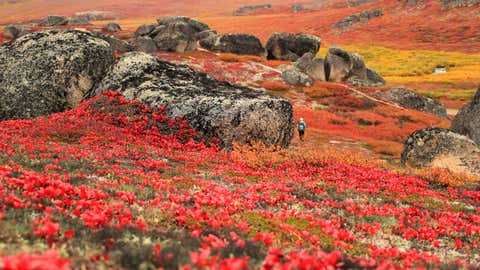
[301,125]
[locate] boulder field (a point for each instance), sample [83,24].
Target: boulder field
[53,71]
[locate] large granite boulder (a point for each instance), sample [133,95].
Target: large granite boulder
[173,33]
[197,25]
[177,33]
[338,63]
[312,66]
[441,148]
[467,121]
[342,66]
[290,47]
[412,100]
[234,43]
[50,71]
[217,109]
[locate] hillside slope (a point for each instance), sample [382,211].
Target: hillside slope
[422,26]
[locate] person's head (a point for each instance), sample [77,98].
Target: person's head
[301,119]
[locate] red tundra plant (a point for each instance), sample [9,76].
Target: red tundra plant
[116,184]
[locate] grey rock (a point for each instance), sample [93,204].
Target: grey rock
[342,66]
[112,27]
[11,31]
[316,70]
[145,44]
[217,109]
[144,29]
[303,62]
[96,15]
[339,63]
[177,36]
[356,3]
[206,34]
[426,146]
[117,45]
[312,66]
[294,76]
[177,33]
[375,78]
[349,21]
[449,4]
[50,71]
[197,25]
[78,21]
[247,9]
[54,20]
[412,100]
[234,43]
[290,47]
[467,121]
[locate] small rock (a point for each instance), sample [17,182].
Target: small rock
[294,76]
[112,27]
[54,20]
[144,29]
[206,34]
[11,32]
[78,21]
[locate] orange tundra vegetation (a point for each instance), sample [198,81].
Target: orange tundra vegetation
[275,85]
[382,128]
[445,177]
[324,89]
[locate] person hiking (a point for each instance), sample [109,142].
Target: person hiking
[301,128]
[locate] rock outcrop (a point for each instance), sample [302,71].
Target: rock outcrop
[217,109]
[50,71]
[412,100]
[441,148]
[467,121]
[234,43]
[248,9]
[342,66]
[290,47]
[174,34]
